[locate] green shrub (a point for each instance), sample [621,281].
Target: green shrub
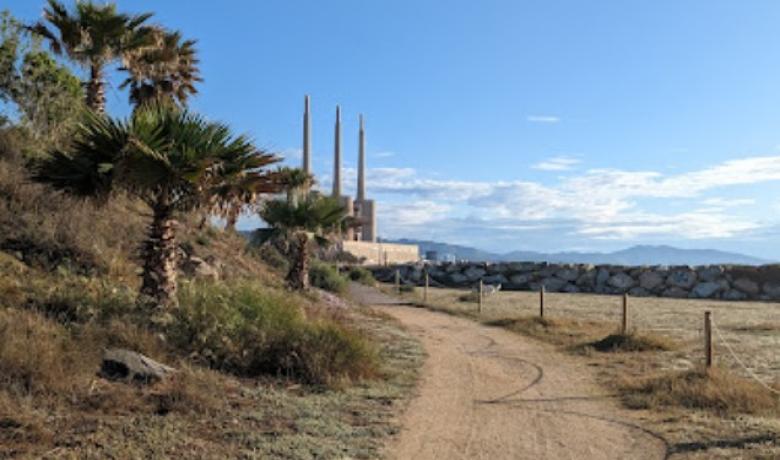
[325,276]
[272,256]
[362,276]
[250,330]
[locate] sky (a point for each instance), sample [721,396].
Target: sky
[512,125]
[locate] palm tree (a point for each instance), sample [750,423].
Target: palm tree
[296,183]
[165,71]
[239,186]
[315,216]
[172,160]
[94,36]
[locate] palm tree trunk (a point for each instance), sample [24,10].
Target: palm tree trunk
[298,276]
[96,89]
[232,218]
[159,270]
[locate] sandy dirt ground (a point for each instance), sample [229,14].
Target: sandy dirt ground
[486,393]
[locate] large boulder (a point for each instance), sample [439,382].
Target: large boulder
[587,279]
[734,294]
[682,278]
[129,366]
[772,289]
[650,280]
[553,284]
[705,290]
[474,273]
[568,273]
[638,291]
[520,279]
[494,279]
[675,292]
[621,281]
[709,272]
[195,267]
[458,278]
[602,276]
[747,286]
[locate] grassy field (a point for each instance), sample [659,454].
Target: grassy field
[722,413]
[752,329]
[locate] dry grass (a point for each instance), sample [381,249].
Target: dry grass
[713,390]
[558,331]
[632,343]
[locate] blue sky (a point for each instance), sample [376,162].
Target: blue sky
[556,125]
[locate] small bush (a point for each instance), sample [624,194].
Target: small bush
[631,342]
[272,256]
[252,330]
[325,276]
[361,275]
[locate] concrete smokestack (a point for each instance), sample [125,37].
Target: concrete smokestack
[306,136]
[361,185]
[337,155]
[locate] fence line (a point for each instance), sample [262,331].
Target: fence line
[741,363]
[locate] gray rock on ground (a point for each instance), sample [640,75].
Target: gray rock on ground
[129,366]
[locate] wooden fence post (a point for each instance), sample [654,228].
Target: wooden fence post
[624,322]
[541,302]
[708,338]
[480,295]
[398,281]
[425,290]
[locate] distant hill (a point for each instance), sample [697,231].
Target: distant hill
[635,255]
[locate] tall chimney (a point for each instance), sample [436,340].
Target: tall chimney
[361,185]
[337,155]
[306,137]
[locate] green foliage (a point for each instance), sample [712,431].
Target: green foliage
[361,275]
[45,95]
[327,277]
[272,256]
[251,330]
[314,213]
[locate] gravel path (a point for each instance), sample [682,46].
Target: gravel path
[488,393]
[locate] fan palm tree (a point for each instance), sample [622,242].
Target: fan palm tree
[165,71]
[94,36]
[295,182]
[172,160]
[315,217]
[239,186]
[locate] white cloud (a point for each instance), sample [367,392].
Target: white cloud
[600,204]
[383,154]
[542,119]
[559,163]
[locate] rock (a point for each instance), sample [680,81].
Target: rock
[494,279]
[675,292]
[474,273]
[638,291]
[195,267]
[568,274]
[709,272]
[772,289]
[681,278]
[553,284]
[650,280]
[602,276]
[546,272]
[570,288]
[747,286]
[705,290]
[520,279]
[129,366]
[621,281]
[733,294]
[458,278]
[587,279]
[522,266]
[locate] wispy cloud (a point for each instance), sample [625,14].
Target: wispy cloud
[559,163]
[385,154]
[542,119]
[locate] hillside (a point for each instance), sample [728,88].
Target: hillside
[635,255]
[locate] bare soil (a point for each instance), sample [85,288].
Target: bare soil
[488,393]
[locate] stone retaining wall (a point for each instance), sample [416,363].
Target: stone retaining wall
[729,282]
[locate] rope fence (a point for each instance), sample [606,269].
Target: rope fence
[750,372]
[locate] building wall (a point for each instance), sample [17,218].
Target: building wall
[382,253]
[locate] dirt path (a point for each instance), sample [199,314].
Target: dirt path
[488,393]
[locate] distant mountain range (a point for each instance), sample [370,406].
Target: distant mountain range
[635,255]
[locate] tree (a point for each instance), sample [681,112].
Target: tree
[166,71]
[172,160]
[94,36]
[313,217]
[45,97]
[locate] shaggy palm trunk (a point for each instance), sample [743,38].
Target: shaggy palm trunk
[159,271]
[96,89]
[298,276]
[232,218]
